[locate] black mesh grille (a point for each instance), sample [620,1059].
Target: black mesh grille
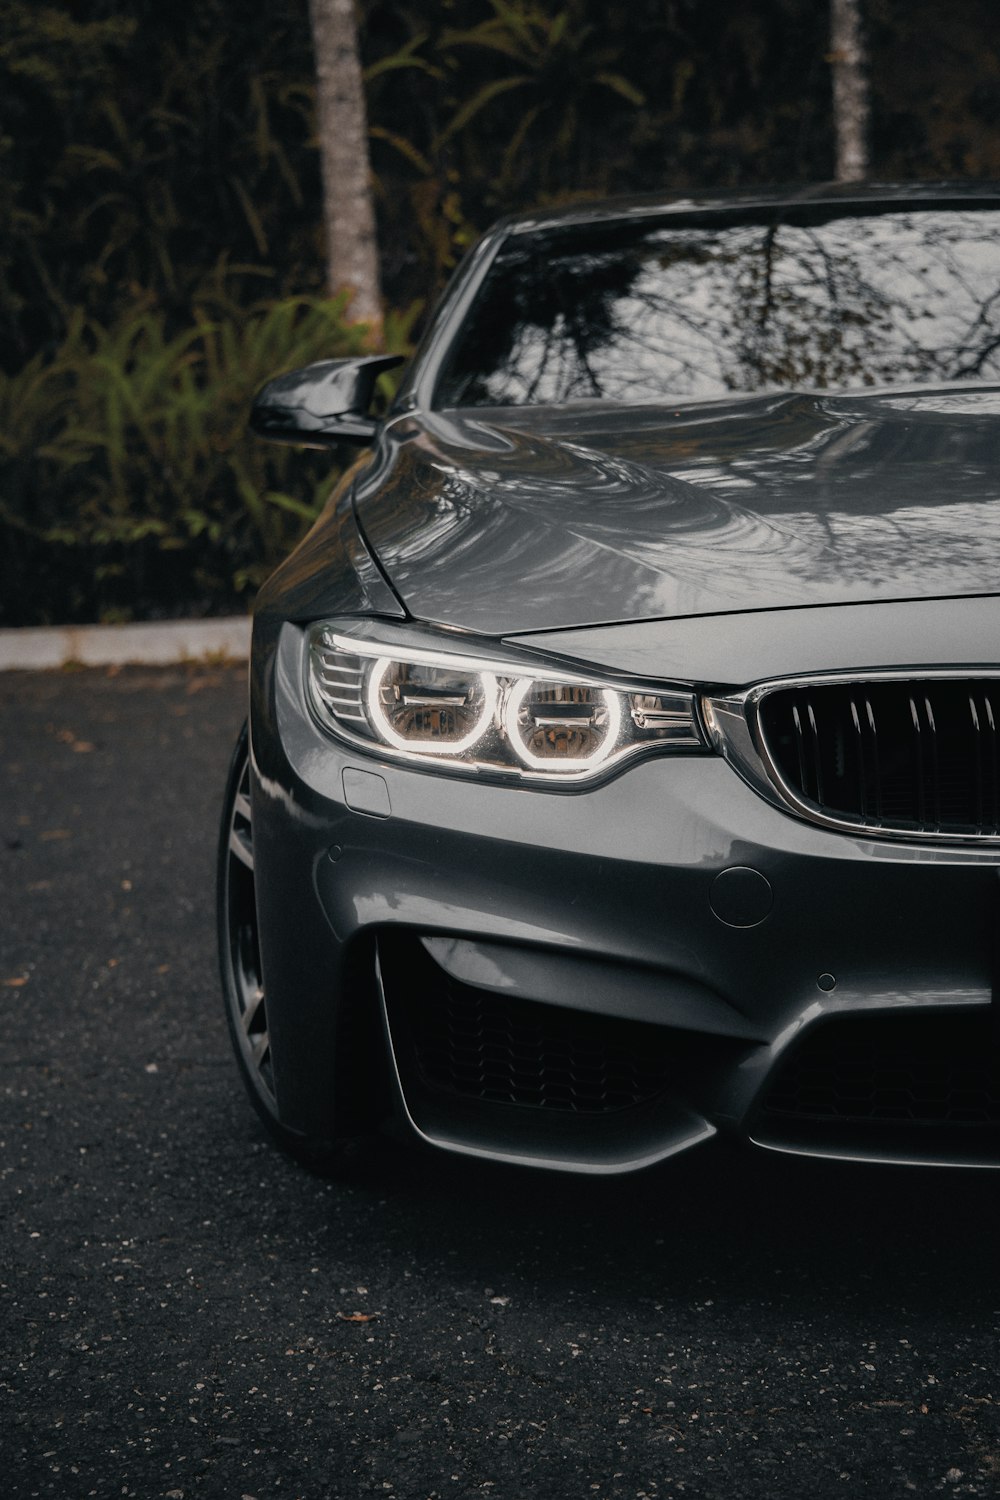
[912,757]
[510,1051]
[941,1071]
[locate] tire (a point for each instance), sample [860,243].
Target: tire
[242,974]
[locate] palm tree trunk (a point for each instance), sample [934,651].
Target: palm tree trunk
[849,59]
[348,211]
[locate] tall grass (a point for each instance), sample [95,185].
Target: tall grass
[129,484]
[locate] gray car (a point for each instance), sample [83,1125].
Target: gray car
[623,760]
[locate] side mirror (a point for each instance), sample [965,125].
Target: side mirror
[321,404]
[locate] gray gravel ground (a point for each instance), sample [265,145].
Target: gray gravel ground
[184,1312]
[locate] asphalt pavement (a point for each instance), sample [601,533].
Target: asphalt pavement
[184,1312]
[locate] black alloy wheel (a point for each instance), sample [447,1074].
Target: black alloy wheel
[239,947]
[243,978]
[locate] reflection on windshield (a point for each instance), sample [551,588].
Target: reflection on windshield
[694,313]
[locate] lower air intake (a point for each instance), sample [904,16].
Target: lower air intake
[941,1071]
[478,1045]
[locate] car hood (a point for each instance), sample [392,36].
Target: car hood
[517,520]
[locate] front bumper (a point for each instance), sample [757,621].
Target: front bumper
[671,901]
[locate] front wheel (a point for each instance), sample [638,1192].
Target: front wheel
[243,990]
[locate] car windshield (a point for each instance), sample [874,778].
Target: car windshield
[819,298]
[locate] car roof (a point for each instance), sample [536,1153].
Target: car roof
[726,202]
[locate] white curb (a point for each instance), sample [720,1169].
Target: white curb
[159,643]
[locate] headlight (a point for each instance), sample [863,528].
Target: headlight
[428,704]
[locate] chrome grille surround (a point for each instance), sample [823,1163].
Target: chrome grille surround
[739,731]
